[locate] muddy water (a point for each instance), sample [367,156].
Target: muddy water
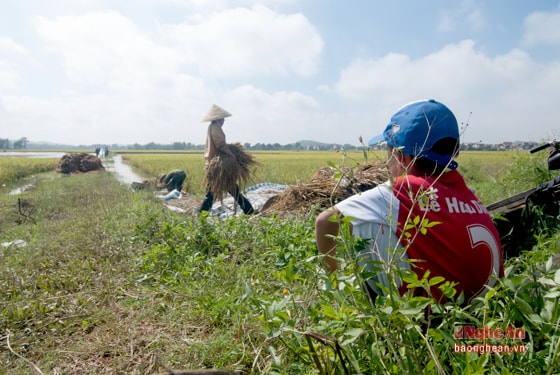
[123,171]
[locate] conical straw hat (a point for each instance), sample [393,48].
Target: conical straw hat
[215,113]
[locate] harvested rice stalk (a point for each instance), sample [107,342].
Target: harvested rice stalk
[223,172]
[323,190]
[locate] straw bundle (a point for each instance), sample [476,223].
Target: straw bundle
[79,162]
[323,190]
[223,173]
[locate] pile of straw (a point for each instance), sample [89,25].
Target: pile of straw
[323,189]
[79,163]
[223,173]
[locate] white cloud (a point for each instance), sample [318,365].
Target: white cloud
[122,82]
[509,87]
[466,14]
[9,77]
[8,46]
[457,68]
[106,48]
[12,55]
[80,118]
[248,42]
[123,85]
[280,116]
[542,28]
[217,5]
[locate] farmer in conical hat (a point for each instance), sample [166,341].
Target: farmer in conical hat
[223,169]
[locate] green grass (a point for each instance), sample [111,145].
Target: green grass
[71,277]
[110,281]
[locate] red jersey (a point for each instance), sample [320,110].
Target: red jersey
[446,227]
[437,221]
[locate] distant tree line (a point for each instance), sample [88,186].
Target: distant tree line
[159,146]
[20,144]
[257,146]
[23,143]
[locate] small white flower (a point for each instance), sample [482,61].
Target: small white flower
[432,193]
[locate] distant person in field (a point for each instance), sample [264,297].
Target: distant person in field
[225,163]
[425,218]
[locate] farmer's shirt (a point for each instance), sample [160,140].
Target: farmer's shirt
[215,141]
[436,221]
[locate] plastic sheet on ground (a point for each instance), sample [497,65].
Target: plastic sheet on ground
[173,194]
[258,195]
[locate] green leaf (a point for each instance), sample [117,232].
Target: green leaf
[547,281]
[411,278]
[524,306]
[548,264]
[536,319]
[436,280]
[274,333]
[548,310]
[330,312]
[552,294]
[352,334]
[557,277]
[430,224]
[415,306]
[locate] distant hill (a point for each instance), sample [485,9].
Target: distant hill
[39,145]
[309,144]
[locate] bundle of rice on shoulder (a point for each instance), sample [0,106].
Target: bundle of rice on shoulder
[227,165]
[223,172]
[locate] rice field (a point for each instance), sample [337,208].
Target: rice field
[14,168]
[482,169]
[292,167]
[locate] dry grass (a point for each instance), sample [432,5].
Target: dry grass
[327,187]
[224,173]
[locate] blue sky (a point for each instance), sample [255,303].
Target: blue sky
[138,71]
